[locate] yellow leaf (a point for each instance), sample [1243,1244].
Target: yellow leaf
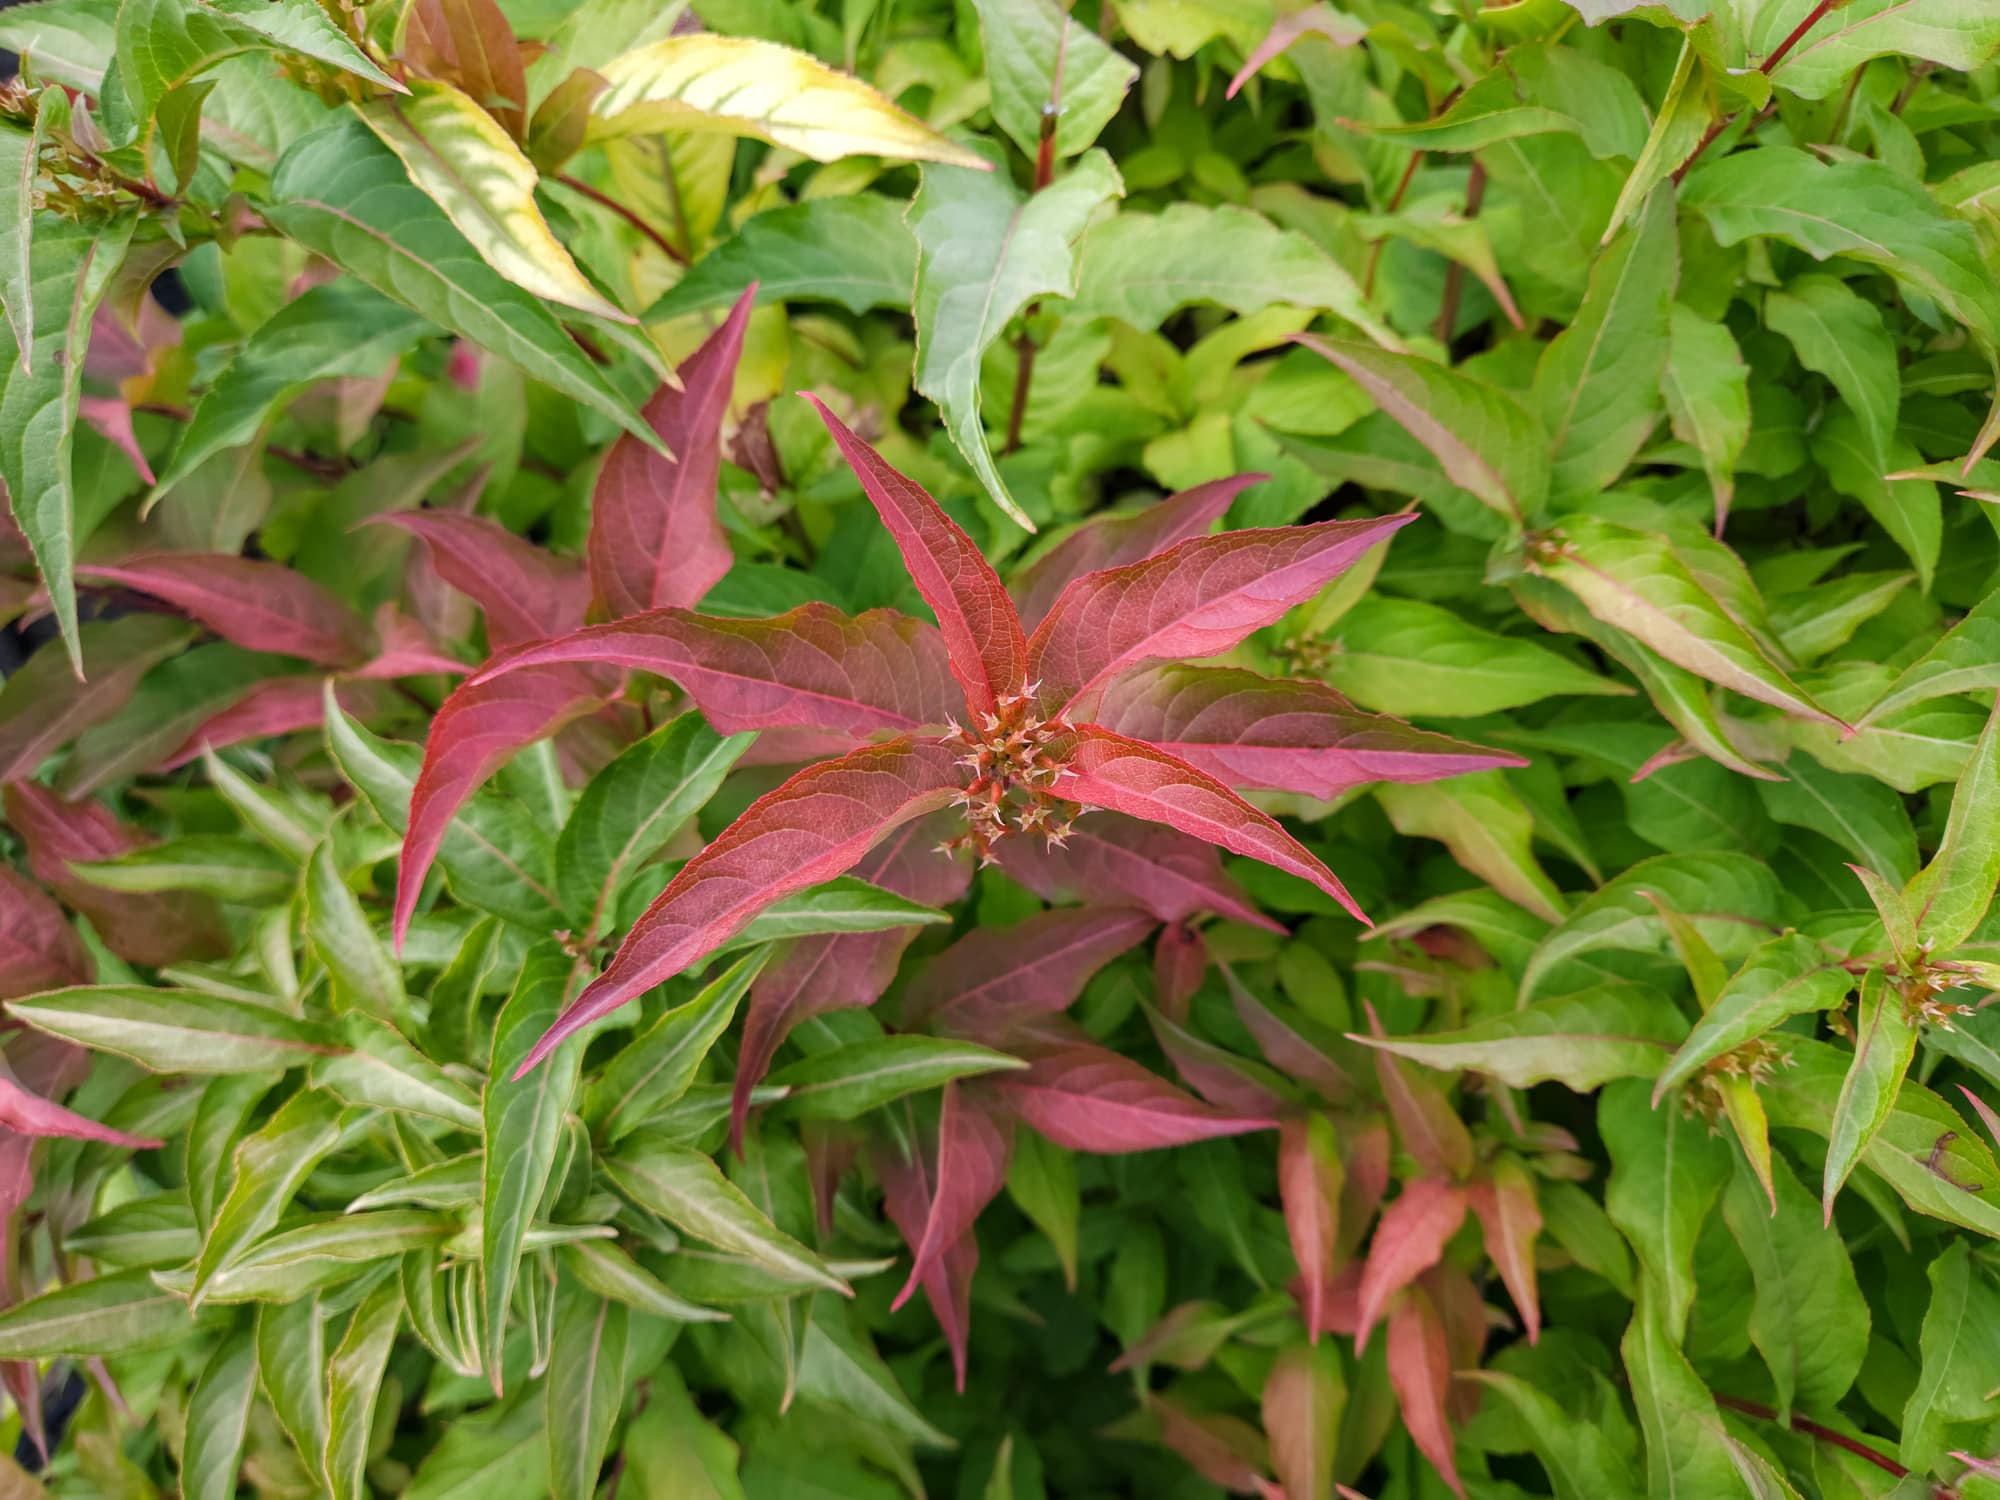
[742,86]
[458,154]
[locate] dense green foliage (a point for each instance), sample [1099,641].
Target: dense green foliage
[1515,471]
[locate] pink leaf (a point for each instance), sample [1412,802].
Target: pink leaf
[1113,541]
[1110,858]
[814,827]
[1340,1312]
[981,631]
[1466,1319]
[994,977]
[153,929]
[1225,1080]
[1196,599]
[811,667]
[111,418]
[1420,1374]
[1290,736]
[1216,1446]
[479,727]
[1288,1051]
[33,726]
[1985,1112]
[830,1147]
[843,971]
[907,1191]
[28,1113]
[1365,1156]
[1430,1128]
[263,606]
[1180,963]
[39,950]
[524,592]
[276,706]
[1087,1098]
[404,648]
[1309,1185]
[1301,1406]
[1408,1242]
[655,538]
[1510,1219]
[1124,775]
[975,1144]
[1321,20]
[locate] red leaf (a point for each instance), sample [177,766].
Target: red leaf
[1113,541]
[1109,770]
[1193,600]
[830,1147]
[1084,1097]
[1216,1446]
[1110,858]
[1430,1128]
[27,1113]
[1321,19]
[404,648]
[276,706]
[1420,1374]
[1309,1184]
[144,929]
[1301,1404]
[470,44]
[1287,1051]
[39,950]
[1463,1311]
[263,606]
[1408,1242]
[1365,1158]
[524,592]
[479,727]
[111,418]
[1222,1078]
[1180,963]
[975,1143]
[814,827]
[34,725]
[1290,736]
[811,667]
[981,631]
[1341,1312]
[1510,1218]
[906,1194]
[995,977]
[843,971]
[655,538]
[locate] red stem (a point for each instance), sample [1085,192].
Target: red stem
[602,200]
[1454,276]
[1024,346]
[1798,34]
[1813,1429]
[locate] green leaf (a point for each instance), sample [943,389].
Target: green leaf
[1577,1456]
[1482,820]
[1865,818]
[155,1231]
[363,976]
[1039,59]
[496,1455]
[383,1070]
[609,1272]
[1686,1443]
[71,41]
[1635,582]
[39,387]
[1486,441]
[1678,126]
[1788,976]
[325,1252]
[1960,1348]
[344,195]
[1414,659]
[291,1354]
[847,1082]
[1733,900]
[1885,1039]
[472,169]
[20,167]
[687,1190]
[494,855]
[672,1449]
[230,869]
[1908,509]
[985,251]
[175,1031]
[523,1127]
[354,1385]
[1537,89]
[844,905]
[218,1416]
[654,1069]
[1707,390]
[1581,1041]
[585,1386]
[1809,1320]
[1865,210]
[633,806]
[1597,386]
[121,1313]
[1666,1173]
[337,328]
[854,251]
[1840,334]
[1041,1179]
[271,1165]
[1951,33]
[1966,659]
[1951,894]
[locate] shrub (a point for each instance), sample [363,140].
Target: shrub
[554,887]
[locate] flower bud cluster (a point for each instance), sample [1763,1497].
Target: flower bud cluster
[1016,760]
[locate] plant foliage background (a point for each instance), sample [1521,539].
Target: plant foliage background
[551,886]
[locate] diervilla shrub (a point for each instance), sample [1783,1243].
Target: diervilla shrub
[677,672]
